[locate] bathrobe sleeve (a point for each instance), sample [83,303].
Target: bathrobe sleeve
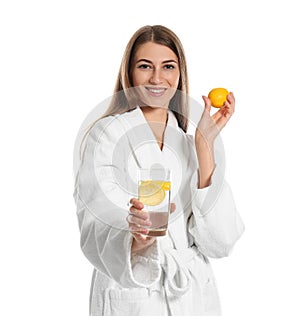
[215,224]
[102,195]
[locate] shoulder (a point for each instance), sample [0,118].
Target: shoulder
[111,126]
[116,122]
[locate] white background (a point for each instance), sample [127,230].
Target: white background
[59,59]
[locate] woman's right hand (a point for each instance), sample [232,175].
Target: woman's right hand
[138,221]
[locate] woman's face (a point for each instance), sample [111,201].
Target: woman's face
[155,71]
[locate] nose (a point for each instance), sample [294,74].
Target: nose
[156,77]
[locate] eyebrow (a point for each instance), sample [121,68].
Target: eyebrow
[150,62]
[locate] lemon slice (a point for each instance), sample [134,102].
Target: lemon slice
[152,192]
[165,185]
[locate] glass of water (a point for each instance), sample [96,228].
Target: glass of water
[154,192]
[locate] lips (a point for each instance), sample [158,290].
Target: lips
[156,91]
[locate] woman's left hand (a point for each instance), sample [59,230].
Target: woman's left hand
[210,126]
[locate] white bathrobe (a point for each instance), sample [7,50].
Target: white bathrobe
[173,276]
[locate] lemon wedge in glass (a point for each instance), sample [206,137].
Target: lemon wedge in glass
[152,192]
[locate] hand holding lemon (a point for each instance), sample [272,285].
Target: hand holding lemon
[210,125]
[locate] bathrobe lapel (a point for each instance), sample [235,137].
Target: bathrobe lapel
[144,147]
[145,153]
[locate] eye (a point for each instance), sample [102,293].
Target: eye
[169,66]
[144,66]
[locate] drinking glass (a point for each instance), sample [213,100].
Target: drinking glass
[154,190]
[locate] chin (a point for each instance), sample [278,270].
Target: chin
[154,105]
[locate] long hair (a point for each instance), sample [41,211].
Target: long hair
[120,101]
[160,35]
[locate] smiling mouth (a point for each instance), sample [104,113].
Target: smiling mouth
[156,92]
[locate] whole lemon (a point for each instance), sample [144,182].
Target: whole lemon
[218,97]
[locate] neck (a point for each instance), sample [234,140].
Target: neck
[155,114]
[157,119]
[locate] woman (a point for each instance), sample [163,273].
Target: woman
[145,126]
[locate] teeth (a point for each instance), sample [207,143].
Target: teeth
[156,90]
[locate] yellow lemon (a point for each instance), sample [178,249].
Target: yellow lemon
[153,192]
[218,97]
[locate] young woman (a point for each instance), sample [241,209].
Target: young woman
[145,126]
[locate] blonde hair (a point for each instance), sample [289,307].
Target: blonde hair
[120,101]
[160,35]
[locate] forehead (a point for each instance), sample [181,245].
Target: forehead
[154,52]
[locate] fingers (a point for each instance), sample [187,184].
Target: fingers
[229,106]
[225,112]
[137,204]
[138,219]
[230,97]
[172,207]
[136,228]
[207,103]
[141,237]
[138,212]
[231,100]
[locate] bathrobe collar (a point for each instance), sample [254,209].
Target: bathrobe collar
[143,143]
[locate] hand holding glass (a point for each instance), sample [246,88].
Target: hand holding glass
[154,192]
